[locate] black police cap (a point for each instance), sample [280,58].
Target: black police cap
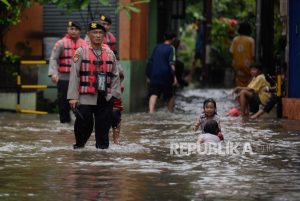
[96,25]
[74,24]
[105,18]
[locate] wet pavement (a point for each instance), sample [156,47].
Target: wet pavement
[37,161]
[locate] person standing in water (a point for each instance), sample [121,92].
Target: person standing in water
[242,51]
[60,66]
[161,73]
[94,83]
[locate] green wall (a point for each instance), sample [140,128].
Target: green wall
[135,92]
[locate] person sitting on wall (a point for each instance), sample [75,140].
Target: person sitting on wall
[254,94]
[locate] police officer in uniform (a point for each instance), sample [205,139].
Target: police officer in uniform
[109,38]
[60,65]
[94,82]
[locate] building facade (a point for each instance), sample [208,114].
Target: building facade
[41,26]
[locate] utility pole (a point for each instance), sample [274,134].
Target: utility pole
[265,34]
[258,31]
[207,10]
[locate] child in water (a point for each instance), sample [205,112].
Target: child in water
[209,112]
[211,131]
[117,110]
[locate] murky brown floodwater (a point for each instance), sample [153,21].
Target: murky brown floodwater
[37,161]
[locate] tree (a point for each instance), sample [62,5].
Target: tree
[10,15]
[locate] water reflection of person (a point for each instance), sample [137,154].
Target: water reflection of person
[242,50]
[94,82]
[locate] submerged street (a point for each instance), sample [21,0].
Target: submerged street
[37,161]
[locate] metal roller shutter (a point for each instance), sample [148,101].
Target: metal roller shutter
[55,19]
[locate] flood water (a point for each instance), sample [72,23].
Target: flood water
[37,161]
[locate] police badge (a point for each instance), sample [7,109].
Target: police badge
[76,57]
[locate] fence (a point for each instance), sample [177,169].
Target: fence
[11,81]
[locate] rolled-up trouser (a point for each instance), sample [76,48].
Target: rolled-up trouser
[254,103]
[63,103]
[116,118]
[270,103]
[84,123]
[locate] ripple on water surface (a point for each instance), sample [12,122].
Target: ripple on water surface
[36,158]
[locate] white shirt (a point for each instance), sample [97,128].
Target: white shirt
[207,137]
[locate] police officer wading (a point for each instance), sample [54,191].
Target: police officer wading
[109,38]
[94,82]
[60,66]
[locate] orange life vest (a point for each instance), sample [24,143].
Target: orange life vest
[69,50]
[90,65]
[110,40]
[118,104]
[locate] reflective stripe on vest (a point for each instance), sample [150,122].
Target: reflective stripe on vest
[89,69]
[118,104]
[68,53]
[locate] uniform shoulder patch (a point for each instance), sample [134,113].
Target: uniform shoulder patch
[56,45]
[76,57]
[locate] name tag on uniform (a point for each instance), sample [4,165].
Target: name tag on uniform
[101,82]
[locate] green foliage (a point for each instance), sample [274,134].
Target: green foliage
[73,5]
[10,57]
[221,35]
[237,9]
[192,10]
[24,48]
[226,13]
[10,15]
[130,7]
[187,45]
[6,3]
[10,12]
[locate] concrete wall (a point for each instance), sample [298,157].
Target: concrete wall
[27,31]
[291,108]
[9,101]
[135,93]
[30,75]
[43,79]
